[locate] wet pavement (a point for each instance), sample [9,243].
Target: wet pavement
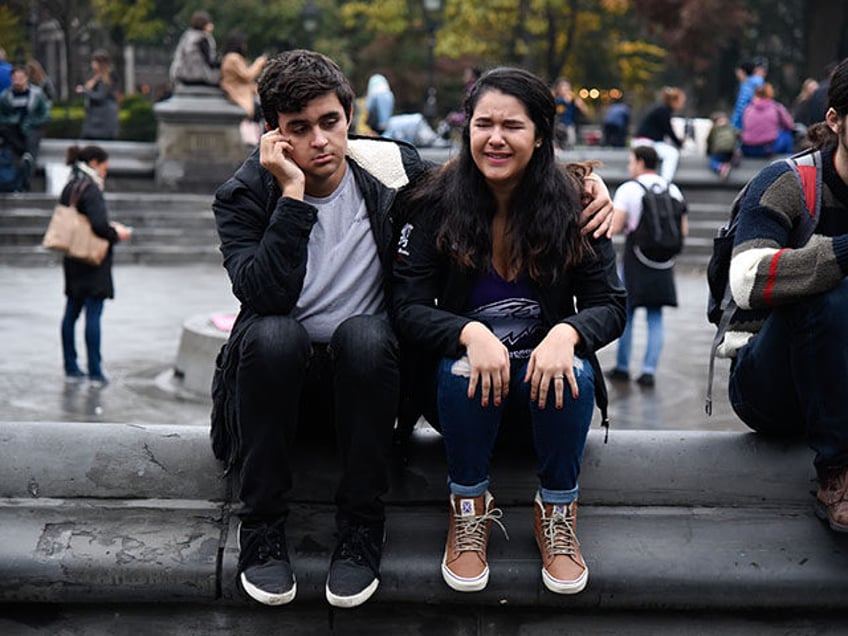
[142,326]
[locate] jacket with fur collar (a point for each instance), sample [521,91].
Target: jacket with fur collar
[264,239]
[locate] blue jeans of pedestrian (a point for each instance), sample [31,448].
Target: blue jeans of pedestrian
[783,145]
[291,390]
[93,310]
[470,430]
[653,348]
[790,378]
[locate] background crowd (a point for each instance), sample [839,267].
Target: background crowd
[762,122]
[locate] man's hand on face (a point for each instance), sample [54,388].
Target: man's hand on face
[274,156]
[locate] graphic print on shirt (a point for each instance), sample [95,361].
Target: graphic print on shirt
[517,322]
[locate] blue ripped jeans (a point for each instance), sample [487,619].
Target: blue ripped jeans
[470,430]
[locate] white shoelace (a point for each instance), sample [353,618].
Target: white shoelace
[558,531]
[471,531]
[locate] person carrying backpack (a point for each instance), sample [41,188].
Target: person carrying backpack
[788,342]
[652,213]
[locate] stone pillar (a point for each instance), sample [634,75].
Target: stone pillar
[200,342]
[198,138]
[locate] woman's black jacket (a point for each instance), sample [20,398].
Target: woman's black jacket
[431,291]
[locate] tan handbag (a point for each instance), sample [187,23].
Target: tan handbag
[70,231]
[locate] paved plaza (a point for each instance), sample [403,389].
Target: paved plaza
[143,324]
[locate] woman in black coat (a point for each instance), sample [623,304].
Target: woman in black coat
[507,302]
[87,286]
[101,99]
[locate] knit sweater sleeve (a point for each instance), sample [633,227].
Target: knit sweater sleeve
[764,271]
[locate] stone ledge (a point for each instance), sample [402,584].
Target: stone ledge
[302,619]
[645,558]
[669,521]
[136,158]
[66,460]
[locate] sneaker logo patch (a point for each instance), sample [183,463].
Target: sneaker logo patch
[559,509]
[466,507]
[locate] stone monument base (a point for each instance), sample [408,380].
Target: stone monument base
[199,142]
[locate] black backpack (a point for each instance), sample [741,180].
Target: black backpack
[720,304]
[658,236]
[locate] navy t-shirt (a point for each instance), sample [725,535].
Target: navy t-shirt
[511,311]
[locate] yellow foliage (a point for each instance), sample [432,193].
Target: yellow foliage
[132,16]
[615,7]
[390,17]
[12,32]
[490,29]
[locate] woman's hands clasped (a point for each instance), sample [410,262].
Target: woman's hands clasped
[550,364]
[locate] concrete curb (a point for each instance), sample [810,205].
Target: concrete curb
[669,520]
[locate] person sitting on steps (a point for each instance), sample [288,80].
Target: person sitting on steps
[788,344]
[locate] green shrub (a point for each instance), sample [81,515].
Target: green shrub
[137,120]
[65,121]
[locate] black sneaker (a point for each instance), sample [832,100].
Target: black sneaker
[98,379]
[75,376]
[264,569]
[355,566]
[646,380]
[619,375]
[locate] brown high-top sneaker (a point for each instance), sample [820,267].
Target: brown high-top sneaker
[563,568]
[464,566]
[832,497]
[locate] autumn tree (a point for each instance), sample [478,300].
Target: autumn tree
[591,42]
[694,32]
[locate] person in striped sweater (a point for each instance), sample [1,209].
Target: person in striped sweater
[789,344]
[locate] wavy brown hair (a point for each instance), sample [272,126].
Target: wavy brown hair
[542,230]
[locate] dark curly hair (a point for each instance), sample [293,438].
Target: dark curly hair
[292,79]
[542,233]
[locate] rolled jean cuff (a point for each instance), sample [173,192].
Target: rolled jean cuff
[468,491]
[559,496]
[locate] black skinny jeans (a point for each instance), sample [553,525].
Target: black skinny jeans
[282,377]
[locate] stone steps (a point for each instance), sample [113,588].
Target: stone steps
[179,226]
[702,523]
[168,228]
